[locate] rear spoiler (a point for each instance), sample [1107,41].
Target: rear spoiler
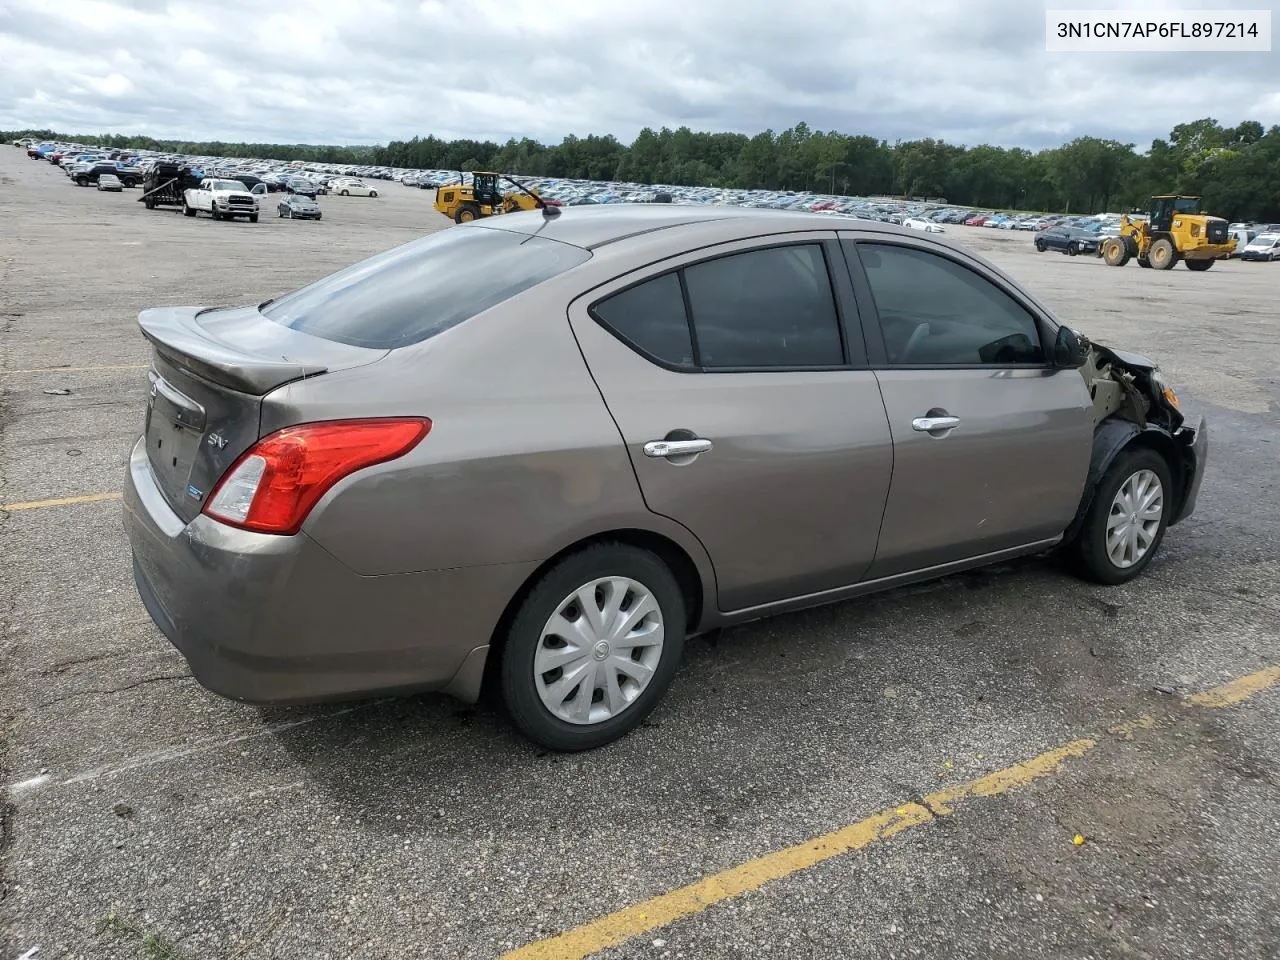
[183,342]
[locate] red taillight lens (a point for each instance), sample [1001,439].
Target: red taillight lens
[276,482]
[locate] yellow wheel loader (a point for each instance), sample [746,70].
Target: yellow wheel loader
[463,202]
[1176,230]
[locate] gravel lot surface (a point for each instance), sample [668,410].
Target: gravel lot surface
[138,805]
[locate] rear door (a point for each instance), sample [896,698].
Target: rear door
[748,411]
[991,443]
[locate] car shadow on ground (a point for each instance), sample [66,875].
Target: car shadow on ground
[809,689]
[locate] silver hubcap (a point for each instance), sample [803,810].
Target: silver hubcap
[1135,518]
[599,650]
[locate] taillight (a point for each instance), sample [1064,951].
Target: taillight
[276,482]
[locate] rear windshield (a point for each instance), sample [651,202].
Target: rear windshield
[417,290]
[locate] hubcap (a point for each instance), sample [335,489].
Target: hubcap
[1134,520]
[599,650]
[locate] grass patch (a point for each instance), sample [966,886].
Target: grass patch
[151,945]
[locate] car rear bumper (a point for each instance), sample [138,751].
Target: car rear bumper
[273,619]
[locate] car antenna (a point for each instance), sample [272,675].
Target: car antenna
[547,209]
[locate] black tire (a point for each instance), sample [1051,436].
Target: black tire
[149,202]
[1089,551]
[1115,252]
[1144,262]
[519,691]
[1073,249]
[188,211]
[253,218]
[466,213]
[319,216]
[1162,254]
[346,193]
[1198,265]
[373,193]
[1039,245]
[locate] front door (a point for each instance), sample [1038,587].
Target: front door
[749,417]
[991,443]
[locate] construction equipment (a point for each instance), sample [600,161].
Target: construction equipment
[463,202]
[1176,230]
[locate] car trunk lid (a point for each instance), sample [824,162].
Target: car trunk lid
[210,371]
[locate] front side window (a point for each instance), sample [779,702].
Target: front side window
[936,312]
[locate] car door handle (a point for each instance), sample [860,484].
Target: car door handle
[676,448]
[933,424]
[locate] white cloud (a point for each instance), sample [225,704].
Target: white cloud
[328,71]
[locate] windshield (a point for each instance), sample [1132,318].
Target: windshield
[226,185]
[414,291]
[1186,205]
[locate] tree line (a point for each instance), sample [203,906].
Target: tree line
[1236,169]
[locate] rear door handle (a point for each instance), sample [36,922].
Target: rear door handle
[934,424]
[676,448]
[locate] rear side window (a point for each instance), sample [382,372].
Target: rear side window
[757,310]
[650,316]
[765,308]
[415,291]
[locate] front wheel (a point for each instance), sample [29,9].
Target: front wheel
[1127,520]
[1039,245]
[187,210]
[346,193]
[1115,252]
[1072,249]
[1199,265]
[593,647]
[253,218]
[373,193]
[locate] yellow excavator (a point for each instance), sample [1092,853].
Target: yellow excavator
[1176,230]
[463,202]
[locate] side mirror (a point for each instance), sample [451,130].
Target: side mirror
[1068,351]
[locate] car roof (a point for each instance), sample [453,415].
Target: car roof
[595,226]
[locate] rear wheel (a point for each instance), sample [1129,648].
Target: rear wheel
[466,213]
[1162,254]
[150,203]
[1198,265]
[1144,262]
[1127,519]
[593,647]
[346,193]
[373,193]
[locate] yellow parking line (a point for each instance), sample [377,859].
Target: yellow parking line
[630,922]
[1237,691]
[123,366]
[59,501]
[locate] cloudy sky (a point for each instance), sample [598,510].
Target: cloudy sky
[338,71]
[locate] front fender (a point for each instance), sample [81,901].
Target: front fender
[1185,450]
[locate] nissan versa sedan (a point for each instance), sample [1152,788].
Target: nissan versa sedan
[540,450]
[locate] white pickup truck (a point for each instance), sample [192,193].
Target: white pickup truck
[221,199]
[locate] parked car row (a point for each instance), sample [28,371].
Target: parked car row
[1067,234]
